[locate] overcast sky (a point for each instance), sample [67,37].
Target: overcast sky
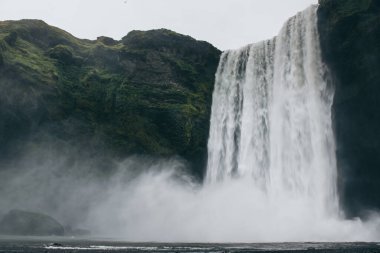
[224,23]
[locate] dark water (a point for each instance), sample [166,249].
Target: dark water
[66,245]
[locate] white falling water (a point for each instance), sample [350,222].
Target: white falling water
[271,118]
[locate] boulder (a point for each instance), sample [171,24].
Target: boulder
[63,54]
[107,41]
[18,222]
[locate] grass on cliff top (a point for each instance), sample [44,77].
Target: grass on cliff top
[44,34]
[26,45]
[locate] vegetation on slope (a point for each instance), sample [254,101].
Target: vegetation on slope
[149,93]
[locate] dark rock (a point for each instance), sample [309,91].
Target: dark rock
[55,244]
[107,41]
[18,222]
[61,53]
[350,39]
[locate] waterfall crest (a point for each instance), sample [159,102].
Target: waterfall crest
[271,117]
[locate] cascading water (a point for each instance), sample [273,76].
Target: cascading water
[271,173]
[271,118]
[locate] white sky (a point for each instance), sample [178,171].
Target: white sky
[224,23]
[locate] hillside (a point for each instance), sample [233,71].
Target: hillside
[149,93]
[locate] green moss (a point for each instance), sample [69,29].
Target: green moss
[30,61]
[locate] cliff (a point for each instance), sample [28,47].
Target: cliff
[350,38]
[149,93]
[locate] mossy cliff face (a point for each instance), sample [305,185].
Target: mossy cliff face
[350,38]
[149,93]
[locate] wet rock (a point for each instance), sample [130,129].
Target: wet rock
[55,244]
[350,39]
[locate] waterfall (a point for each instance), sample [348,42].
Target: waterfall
[271,118]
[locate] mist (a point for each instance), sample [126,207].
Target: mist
[150,199]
